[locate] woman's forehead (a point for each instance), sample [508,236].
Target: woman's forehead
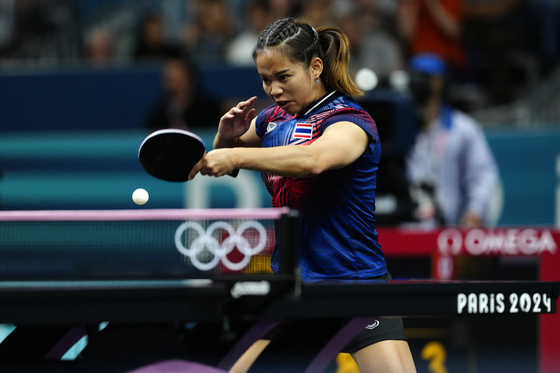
[272,52]
[274,59]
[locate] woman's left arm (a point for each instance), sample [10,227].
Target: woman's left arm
[340,145]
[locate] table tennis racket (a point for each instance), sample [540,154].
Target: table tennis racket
[170,154]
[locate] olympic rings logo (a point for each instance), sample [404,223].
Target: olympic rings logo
[205,240]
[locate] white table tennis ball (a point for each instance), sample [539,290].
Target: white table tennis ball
[140,196]
[366,79]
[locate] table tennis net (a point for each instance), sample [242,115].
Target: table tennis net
[136,244]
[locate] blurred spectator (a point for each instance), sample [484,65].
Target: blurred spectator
[317,12]
[451,169]
[380,14]
[151,43]
[182,104]
[100,49]
[371,46]
[207,38]
[240,48]
[434,26]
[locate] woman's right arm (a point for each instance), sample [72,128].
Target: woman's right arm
[237,127]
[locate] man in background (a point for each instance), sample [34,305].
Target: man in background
[451,169]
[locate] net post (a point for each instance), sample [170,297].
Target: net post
[289,243]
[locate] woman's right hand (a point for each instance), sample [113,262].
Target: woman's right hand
[237,120]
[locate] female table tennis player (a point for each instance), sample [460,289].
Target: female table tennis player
[318,152]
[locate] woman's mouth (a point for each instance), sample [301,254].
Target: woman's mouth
[283,104]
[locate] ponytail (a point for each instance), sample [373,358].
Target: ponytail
[336,58]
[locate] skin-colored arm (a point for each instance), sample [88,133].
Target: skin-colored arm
[407,16]
[340,145]
[449,25]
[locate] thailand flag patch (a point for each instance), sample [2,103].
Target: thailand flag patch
[303,131]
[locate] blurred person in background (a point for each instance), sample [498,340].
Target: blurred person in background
[451,169]
[239,49]
[317,12]
[182,105]
[380,13]
[372,46]
[151,43]
[434,26]
[99,48]
[212,28]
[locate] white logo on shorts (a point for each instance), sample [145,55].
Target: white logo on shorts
[373,326]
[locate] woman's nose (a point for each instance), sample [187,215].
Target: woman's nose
[275,89]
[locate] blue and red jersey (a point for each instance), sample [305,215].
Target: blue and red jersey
[337,208]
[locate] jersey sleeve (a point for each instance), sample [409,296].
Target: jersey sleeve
[357,116]
[263,119]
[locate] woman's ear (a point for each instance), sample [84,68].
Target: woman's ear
[316,66]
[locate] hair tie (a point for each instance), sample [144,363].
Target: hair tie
[315,32]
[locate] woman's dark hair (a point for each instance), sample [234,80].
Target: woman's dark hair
[301,43]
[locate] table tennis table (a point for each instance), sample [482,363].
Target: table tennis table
[265,297]
[78,304]
[267,301]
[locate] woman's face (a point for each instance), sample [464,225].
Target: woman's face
[288,83]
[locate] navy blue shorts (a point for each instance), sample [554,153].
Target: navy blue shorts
[383,329]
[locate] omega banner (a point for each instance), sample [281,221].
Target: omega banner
[476,242]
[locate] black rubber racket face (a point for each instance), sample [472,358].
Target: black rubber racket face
[170,154]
